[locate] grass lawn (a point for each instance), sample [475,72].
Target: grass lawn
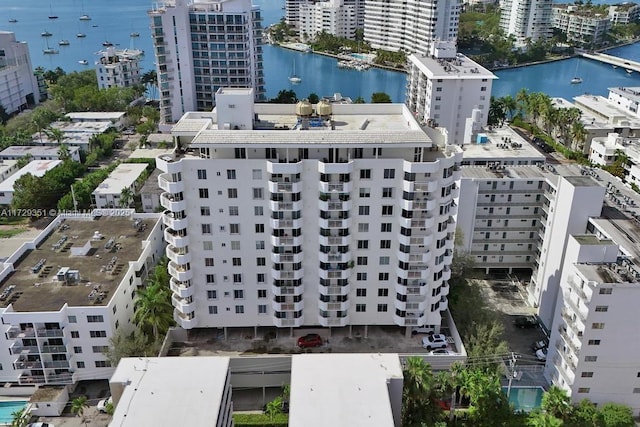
[280,420]
[5,234]
[13,220]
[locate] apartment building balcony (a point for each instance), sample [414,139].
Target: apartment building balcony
[22,363]
[282,291]
[287,306]
[331,223]
[334,205]
[577,288]
[57,364]
[335,187]
[175,239]
[291,322]
[334,240]
[414,272]
[443,303]
[566,357]
[335,290]
[277,206]
[173,202]
[426,221]
[286,240]
[573,309]
[165,182]
[185,305]
[409,320]
[18,348]
[334,306]
[421,239]
[170,219]
[419,203]
[181,289]
[287,274]
[333,321]
[419,167]
[564,370]
[574,345]
[284,167]
[185,320]
[284,187]
[50,333]
[14,332]
[178,255]
[167,164]
[339,257]
[180,272]
[420,186]
[414,288]
[285,223]
[417,256]
[53,349]
[335,168]
[334,274]
[413,303]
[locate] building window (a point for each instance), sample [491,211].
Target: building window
[258,193]
[237,278]
[363,210]
[206,228]
[597,325]
[103,364]
[235,245]
[257,173]
[233,211]
[593,342]
[100,348]
[260,277]
[232,193]
[237,262]
[606,291]
[362,260]
[387,210]
[75,334]
[202,174]
[361,292]
[213,309]
[261,261]
[209,262]
[383,292]
[636,390]
[365,174]
[586,374]
[205,211]
[363,244]
[365,192]
[98,334]
[361,308]
[262,293]
[77,350]
[204,193]
[389,173]
[361,276]
[234,228]
[382,308]
[385,244]
[384,260]
[259,228]
[231,174]
[383,276]
[259,244]
[387,192]
[207,245]
[385,227]
[591,358]
[239,309]
[262,309]
[258,210]
[72,319]
[602,308]
[210,279]
[80,365]
[584,390]
[363,227]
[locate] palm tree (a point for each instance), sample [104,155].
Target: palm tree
[578,135]
[63,152]
[19,418]
[510,105]
[522,98]
[78,404]
[418,400]
[556,403]
[126,197]
[153,310]
[543,419]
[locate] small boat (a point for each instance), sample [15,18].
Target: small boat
[13,20]
[94,26]
[576,80]
[629,71]
[53,17]
[107,43]
[50,51]
[614,66]
[83,62]
[85,18]
[81,35]
[294,78]
[135,34]
[64,42]
[46,33]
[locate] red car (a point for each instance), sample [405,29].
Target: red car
[310,340]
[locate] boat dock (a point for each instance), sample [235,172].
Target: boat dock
[627,64]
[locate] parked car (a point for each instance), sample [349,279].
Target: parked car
[541,354]
[441,352]
[434,341]
[40,425]
[310,340]
[525,322]
[422,330]
[539,344]
[102,405]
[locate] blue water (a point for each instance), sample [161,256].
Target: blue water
[7,408]
[525,398]
[116,19]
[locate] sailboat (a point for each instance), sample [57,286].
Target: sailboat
[84,16]
[294,78]
[51,15]
[83,62]
[576,80]
[50,50]
[64,42]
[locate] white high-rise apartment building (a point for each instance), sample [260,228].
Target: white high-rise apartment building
[526,19]
[202,45]
[332,16]
[118,68]
[444,87]
[330,215]
[295,12]
[18,85]
[410,25]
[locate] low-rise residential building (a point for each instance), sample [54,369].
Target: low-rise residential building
[118,68]
[64,294]
[18,84]
[626,98]
[38,152]
[334,17]
[435,79]
[606,151]
[7,168]
[624,13]
[580,24]
[109,193]
[150,193]
[36,168]
[116,118]
[172,391]
[346,390]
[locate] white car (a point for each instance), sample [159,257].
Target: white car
[102,405]
[40,425]
[441,352]
[422,330]
[434,341]
[541,354]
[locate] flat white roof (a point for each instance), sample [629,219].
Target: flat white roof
[342,390]
[500,146]
[451,69]
[34,150]
[170,391]
[35,168]
[123,176]
[91,115]
[7,164]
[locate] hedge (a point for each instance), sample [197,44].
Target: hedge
[254,420]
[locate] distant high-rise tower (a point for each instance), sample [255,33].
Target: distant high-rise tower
[410,25]
[201,46]
[18,85]
[526,19]
[118,68]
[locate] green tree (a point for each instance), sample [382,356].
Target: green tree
[539,418]
[359,100]
[19,418]
[3,115]
[63,152]
[616,415]
[380,98]
[274,407]
[285,97]
[510,106]
[497,114]
[126,197]
[78,404]
[135,344]
[585,414]
[557,403]
[488,404]
[153,310]
[313,98]
[418,394]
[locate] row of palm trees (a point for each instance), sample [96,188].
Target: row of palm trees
[538,109]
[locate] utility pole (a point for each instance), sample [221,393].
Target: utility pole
[512,372]
[73,196]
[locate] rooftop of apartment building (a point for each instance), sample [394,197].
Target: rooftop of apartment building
[36,168]
[81,116]
[114,56]
[34,150]
[169,391]
[500,144]
[80,263]
[451,68]
[583,10]
[151,184]
[547,172]
[123,176]
[353,390]
[6,164]
[597,112]
[630,92]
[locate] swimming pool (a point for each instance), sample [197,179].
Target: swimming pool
[9,407]
[525,398]
[362,56]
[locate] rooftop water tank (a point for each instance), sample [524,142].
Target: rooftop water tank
[324,108]
[304,108]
